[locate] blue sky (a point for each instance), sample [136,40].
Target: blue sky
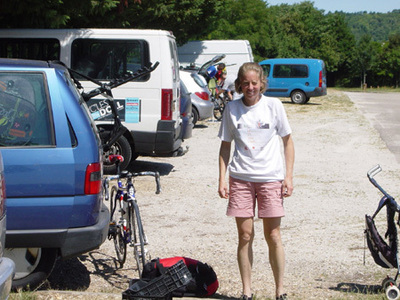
[351,6]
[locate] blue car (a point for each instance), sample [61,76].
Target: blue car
[53,169]
[297,78]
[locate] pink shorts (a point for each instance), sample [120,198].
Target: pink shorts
[243,196]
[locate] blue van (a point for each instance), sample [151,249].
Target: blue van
[297,78]
[53,169]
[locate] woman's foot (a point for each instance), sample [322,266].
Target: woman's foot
[245,297]
[282,297]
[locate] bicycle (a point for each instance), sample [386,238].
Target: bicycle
[126,226]
[219,105]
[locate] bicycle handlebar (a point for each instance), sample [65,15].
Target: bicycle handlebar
[371,173]
[156,175]
[389,200]
[106,184]
[374,171]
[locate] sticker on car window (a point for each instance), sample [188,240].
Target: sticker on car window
[132,110]
[101,110]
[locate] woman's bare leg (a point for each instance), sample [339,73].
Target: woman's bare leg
[245,228]
[272,235]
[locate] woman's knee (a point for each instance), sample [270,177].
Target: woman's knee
[246,236]
[245,228]
[273,237]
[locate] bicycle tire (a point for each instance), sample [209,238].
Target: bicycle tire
[112,201]
[120,247]
[138,237]
[118,235]
[219,107]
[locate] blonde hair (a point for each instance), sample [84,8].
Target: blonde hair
[251,66]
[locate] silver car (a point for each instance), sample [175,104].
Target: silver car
[202,107]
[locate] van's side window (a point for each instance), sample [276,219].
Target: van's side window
[266,69]
[39,49]
[24,110]
[290,71]
[108,59]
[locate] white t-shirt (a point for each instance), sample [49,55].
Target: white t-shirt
[257,132]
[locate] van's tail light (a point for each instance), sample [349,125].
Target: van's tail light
[203,95]
[320,79]
[166,104]
[93,179]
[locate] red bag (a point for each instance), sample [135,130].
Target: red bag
[203,284]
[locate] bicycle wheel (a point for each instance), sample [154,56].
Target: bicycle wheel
[138,238]
[116,226]
[113,201]
[219,107]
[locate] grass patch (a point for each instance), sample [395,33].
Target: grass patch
[368,90]
[22,296]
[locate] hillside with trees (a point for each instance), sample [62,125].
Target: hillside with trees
[357,48]
[380,26]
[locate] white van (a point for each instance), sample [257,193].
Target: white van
[236,53]
[148,106]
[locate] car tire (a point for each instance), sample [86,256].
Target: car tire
[195,115]
[32,266]
[298,97]
[121,147]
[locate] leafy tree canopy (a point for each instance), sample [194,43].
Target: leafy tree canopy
[353,46]
[377,25]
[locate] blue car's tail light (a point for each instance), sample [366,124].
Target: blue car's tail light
[93,179]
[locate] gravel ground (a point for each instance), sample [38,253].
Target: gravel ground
[322,231]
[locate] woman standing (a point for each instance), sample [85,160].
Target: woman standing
[257,172]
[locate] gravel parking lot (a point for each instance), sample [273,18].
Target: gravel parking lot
[322,232]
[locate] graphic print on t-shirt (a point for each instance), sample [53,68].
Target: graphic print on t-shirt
[254,135]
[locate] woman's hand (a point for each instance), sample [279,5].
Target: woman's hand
[223,190]
[287,187]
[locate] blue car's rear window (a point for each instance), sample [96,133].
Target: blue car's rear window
[24,110]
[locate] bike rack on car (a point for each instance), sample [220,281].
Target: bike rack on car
[105,90]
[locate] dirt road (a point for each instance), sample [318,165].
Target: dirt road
[322,232]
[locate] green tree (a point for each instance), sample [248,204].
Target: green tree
[248,20]
[54,13]
[304,31]
[390,60]
[378,25]
[187,19]
[365,56]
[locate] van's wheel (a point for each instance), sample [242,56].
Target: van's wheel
[121,147]
[32,266]
[299,97]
